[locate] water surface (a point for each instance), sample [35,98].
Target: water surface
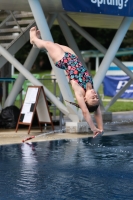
[79,169]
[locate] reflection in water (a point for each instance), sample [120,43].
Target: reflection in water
[28,169]
[100,168]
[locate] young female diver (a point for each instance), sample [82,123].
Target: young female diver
[82,83]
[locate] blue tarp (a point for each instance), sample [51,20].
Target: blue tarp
[108,7]
[113,84]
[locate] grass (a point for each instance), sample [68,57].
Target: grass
[116,107]
[120,106]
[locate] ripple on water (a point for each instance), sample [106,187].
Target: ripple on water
[68,169]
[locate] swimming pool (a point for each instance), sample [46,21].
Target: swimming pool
[79,169]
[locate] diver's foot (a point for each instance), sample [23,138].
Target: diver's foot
[38,34]
[33,34]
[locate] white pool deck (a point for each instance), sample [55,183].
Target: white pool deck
[122,123]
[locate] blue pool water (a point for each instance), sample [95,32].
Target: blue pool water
[79,169]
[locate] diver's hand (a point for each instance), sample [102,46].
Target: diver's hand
[96,132]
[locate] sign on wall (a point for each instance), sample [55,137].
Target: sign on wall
[113,84]
[108,7]
[114,70]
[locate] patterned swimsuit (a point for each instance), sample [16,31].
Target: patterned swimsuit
[75,70]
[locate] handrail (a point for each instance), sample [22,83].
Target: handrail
[16,21]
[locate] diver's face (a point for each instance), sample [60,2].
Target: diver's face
[91,97]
